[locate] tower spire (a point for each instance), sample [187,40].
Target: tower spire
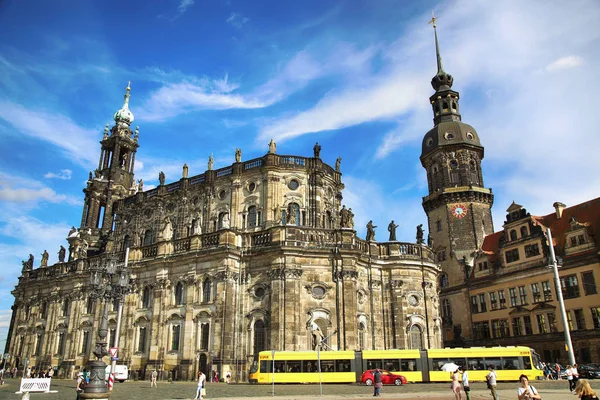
[437,45]
[124,116]
[442,80]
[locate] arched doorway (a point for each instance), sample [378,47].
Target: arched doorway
[204,364]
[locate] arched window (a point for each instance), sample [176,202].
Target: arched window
[252,217]
[294,217]
[446,310]
[259,337]
[362,330]
[148,237]
[146,298]
[179,293]
[415,334]
[126,242]
[454,174]
[473,172]
[204,335]
[513,235]
[523,231]
[328,219]
[206,291]
[444,280]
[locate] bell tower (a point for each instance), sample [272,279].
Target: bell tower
[112,181]
[458,206]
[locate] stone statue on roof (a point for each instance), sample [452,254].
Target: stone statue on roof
[337,164]
[238,155]
[272,147]
[211,163]
[184,174]
[161,178]
[317,150]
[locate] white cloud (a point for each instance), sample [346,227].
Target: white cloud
[567,62]
[64,174]
[5,319]
[77,143]
[24,191]
[237,20]
[184,5]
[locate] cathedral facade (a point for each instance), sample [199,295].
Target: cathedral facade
[250,257]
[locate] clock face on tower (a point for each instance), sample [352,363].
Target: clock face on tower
[459,210]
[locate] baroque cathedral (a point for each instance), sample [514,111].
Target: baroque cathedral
[222,265]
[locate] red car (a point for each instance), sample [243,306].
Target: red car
[387,378]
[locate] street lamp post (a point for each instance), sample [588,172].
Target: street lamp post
[107,281]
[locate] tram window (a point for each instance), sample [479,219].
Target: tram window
[458,361]
[476,363]
[526,362]
[308,366]
[294,366]
[408,365]
[279,366]
[496,362]
[264,366]
[511,363]
[327,366]
[438,362]
[372,364]
[342,365]
[391,365]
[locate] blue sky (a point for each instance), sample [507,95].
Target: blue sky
[209,76]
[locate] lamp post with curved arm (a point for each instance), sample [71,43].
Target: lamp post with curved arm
[108,281]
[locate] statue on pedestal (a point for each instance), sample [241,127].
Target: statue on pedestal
[350,218]
[317,150]
[211,162]
[392,229]
[184,174]
[61,254]
[45,256]
[420,234]
[161,178]
[337,164]
[370,231]
[238,155]
[272,147]
[344,217]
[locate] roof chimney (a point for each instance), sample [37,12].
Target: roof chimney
[559,207]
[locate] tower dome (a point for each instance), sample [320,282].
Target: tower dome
[124,116]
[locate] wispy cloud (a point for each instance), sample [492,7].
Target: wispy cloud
[237,20]
[64,174]
[567,62]
[184,5]
[81,145]
[30,192]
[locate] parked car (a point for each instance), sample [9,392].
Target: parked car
[387,378]
[588,371]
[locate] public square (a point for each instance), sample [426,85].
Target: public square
[550,390]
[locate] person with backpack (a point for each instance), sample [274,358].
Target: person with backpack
[491,382]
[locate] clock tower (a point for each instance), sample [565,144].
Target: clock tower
[458,206]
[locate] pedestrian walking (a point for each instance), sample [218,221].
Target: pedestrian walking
[491,382]
[228,376]
[570,378]
[454,385]
[526,391]
[557,371]
[200,391]
[377,382]
[584,390]
[80,384]
[465,382]
[153,379]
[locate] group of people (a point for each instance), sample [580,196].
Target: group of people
[580,387]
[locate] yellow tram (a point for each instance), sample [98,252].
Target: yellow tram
[415,365]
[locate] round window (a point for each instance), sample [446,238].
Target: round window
[449,135]
[470,136]
[259,292]
[251,187]
[293,184]
[413,300]
[429,142]
[222,194]
[318,291]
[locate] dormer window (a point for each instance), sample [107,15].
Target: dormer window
[523,231]
[513,235]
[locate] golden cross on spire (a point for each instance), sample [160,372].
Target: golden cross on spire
[433,18]
[129,85]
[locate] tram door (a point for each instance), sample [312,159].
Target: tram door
[425,366]
[358,365]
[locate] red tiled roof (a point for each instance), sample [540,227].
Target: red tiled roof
[587,213]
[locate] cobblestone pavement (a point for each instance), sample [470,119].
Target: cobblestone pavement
[550,390]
